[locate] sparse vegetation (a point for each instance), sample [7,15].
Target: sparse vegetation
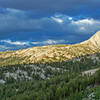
[56,53]
[55,72]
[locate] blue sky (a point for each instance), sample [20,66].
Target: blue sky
[28,23]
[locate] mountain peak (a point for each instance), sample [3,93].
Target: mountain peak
[52,53]
[95,39]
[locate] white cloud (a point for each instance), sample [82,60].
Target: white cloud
[19,21]
[61,18]
[14,10]
[84,21]
[29,43]
[2,47]
[79,26]
[57,20]
[58,23]
[53,41]
[85,26]
[15,42]
[14,45]
[70,18]
[49,42]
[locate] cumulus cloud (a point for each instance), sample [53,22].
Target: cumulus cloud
[14,45]
[12,21]
[58,26]
[27,43]
[57,20]
[15,42]
[77,25]
[48,19]
[49,42]
[86,26]
[85,21]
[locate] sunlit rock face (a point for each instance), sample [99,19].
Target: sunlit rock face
[51,53]
[95,39]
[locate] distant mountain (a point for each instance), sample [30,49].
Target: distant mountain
[51,53]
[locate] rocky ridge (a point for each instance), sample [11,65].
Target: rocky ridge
[51,53]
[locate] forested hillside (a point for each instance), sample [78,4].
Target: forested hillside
[55,72]
[49,81]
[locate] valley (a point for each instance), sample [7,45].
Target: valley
[53,72]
